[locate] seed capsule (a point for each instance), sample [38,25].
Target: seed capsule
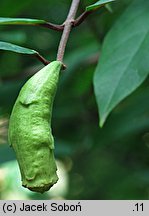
[29,129]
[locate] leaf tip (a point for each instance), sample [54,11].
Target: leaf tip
[101,122]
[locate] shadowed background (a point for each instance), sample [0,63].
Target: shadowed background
[93,163]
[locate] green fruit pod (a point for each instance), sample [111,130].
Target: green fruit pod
[30,134]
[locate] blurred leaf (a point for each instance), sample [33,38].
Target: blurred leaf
[63,149]
[77,57]
[7,153]
[124,62]
[15,48]
[18,37]
[20,21]
[14,65]
[98,4]
[83,83]
[109,8]
[131,186]
[11,8]
[8,93]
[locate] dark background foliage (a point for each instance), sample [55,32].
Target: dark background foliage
[100,163]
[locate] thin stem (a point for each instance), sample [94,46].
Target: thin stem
[44,25]
[81,18]
[42,59]
[67,29]
[52,26]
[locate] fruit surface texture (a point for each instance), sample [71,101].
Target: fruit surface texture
[30,132]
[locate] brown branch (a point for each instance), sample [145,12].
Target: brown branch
[67,29]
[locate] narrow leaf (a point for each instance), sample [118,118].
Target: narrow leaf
[16,48]
[124,60]
[20,21]
[98,4]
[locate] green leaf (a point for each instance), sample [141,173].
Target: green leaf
[20,21]
[98,4]
[124,60]
[15,48]
[15,7]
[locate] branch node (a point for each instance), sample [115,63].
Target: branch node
[67,29]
